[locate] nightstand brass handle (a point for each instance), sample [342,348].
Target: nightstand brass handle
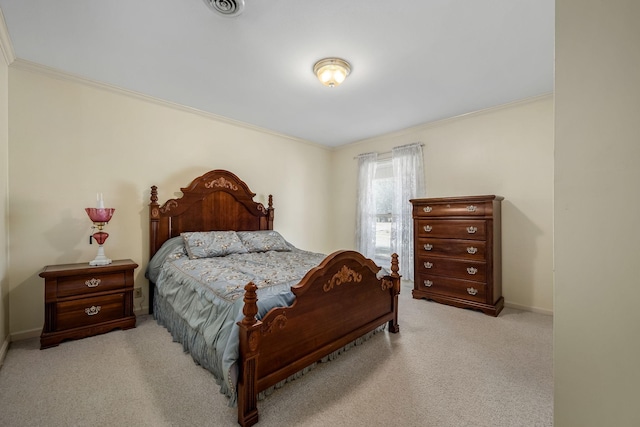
[471,250]
[428,265]
[92,283]
[472,230]
[472,270]
[471,208]
[427,228]
[95,309]
[428,247]
[472,291]
[428,283]
[427,209]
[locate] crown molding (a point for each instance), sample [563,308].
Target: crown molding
[5,42]
[436,123]
[22,64]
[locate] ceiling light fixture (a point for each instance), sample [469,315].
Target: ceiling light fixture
[331,71]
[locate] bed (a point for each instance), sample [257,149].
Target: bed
[340,299]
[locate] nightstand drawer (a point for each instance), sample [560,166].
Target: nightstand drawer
[89,311]
[86,284]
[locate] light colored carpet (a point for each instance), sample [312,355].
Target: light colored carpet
[446,367]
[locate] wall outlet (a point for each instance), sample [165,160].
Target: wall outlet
[137,292]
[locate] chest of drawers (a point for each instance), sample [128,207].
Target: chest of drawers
[457,251]
[82,300]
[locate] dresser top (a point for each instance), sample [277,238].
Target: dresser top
[462,199]
[85,268]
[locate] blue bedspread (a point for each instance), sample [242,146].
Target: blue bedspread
[200,300]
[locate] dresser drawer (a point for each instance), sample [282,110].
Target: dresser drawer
[465,289]
[469,270]
[452,229]
[468,249]
[449,209]
[87,284]
[89,311]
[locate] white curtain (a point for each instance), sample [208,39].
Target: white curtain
[366,208]
[408,173]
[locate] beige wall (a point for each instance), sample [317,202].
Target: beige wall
[69,140]
[597,211]
[4,176]
[506,151]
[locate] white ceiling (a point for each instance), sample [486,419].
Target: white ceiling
[413,61]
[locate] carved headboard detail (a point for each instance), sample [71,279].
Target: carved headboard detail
[215,201]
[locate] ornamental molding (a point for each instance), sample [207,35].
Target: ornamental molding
[279,322]
[168,206]
[344,275]
[387,284]
[253,341]
[221,182]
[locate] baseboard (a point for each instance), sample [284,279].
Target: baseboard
[3,350]
[144,310]
[25,335]
[531,309]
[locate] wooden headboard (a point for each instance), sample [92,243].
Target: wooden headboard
[215,201]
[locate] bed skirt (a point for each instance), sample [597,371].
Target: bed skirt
[194,343]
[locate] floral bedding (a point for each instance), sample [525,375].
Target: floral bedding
[199,300]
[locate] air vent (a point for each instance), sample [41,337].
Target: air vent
[226,7]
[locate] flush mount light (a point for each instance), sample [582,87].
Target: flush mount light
[331,71]
[226,7]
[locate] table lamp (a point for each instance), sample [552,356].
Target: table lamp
[100,216]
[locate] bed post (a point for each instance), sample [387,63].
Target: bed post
[249,342]
[270,213]
[154,221]
[393,324]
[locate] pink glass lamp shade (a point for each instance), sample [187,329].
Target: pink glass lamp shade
[100,237]
[100,217]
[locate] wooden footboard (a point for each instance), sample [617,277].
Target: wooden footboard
[336,303]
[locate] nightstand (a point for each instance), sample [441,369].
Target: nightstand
[82,300]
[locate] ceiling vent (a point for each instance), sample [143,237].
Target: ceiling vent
[228,8]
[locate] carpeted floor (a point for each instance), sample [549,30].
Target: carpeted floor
[446,367]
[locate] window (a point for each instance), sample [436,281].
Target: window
[383,215]
[383,195]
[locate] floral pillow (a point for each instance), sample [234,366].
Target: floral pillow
[262,241]
[209,244]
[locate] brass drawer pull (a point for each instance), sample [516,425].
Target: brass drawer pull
[427,228]
[428,264]
[471,250]
[92,283]
[471,208]
[472,230]
[472,270]
[93,310]
[428,283]
[472,291]
[428,247]
[427,209]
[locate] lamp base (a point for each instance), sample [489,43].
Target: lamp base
[100,259]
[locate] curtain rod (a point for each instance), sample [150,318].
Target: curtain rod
[390,151]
